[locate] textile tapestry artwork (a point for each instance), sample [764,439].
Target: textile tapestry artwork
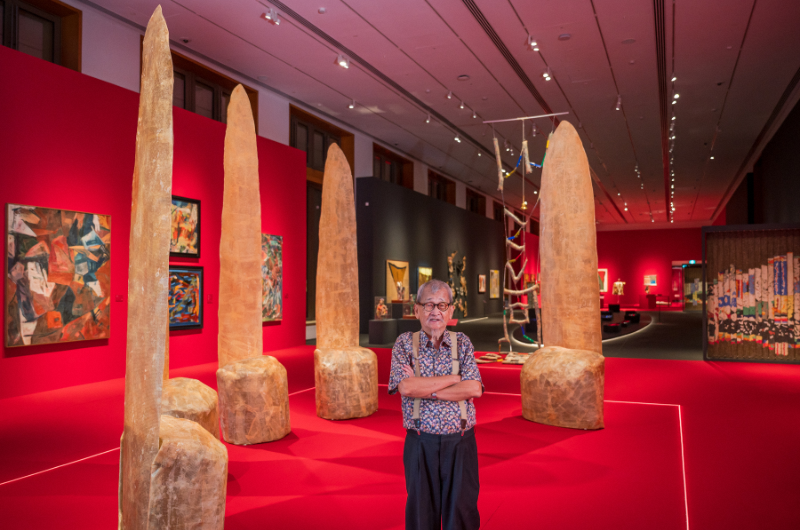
[272,278]
[185,297]
[752,281]
[457,280]
[424,275]
[481,283]
[185,234]
[397,280]
[58,276]
[602,279]
[494,284]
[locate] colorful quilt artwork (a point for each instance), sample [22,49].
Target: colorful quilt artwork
[272,276]
[185,234]
[185,297]
[58,276]
[760,305]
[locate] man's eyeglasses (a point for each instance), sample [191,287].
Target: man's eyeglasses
[443,306]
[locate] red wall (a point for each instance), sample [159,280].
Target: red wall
[629,255]
[67,141]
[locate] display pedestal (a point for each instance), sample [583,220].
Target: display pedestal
[382,331]
[406,324]
[397,309]
[647,301]
[614,308]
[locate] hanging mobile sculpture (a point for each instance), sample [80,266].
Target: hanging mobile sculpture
[513,292]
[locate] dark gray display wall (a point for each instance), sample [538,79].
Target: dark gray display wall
[400,224]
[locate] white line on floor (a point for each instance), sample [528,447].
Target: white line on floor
[62,465]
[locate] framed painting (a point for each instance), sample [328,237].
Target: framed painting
[424,274]
[650,279]
[397,280]
[494,284]
[58,276]
[184,238]
[185,297]
[602,280]
[481,283]
[272,278]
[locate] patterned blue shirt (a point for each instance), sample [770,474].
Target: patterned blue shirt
[436,416]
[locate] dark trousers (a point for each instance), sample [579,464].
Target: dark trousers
[441,481]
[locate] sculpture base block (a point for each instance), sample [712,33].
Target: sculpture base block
[564,387]
[346,382]
[192,400]
[253,401]
[189,478]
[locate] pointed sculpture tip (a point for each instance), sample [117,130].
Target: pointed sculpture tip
[157,17]
[240,111]
[335,152]
[566,127]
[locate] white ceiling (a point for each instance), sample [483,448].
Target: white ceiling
[733,59]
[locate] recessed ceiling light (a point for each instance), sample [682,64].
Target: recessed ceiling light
[322,10]
[463,77]
[564,36]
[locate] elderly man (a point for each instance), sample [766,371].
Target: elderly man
[435,372]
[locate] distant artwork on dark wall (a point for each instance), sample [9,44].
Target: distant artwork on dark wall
[272,278]
[185,234]
[185,297]
[494,284]
[481,283]
[58,275]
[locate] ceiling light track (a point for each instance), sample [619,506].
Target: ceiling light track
[661,69]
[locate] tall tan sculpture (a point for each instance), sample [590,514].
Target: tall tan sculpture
[153,490]
[345,375]
[562,384]
[253,388]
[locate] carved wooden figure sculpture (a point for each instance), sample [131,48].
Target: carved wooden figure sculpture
[345,375]
[562,384]
[253,389]
[155,458]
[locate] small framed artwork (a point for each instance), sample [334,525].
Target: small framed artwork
[185,297]
[184,241]
[602,280]
[481,283]
[650,279]
[424,275]
[494,284]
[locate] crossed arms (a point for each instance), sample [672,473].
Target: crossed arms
[447,387]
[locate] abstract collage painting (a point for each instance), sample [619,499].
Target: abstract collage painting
[185,297]
[272,278]
[58,276]
[185,235]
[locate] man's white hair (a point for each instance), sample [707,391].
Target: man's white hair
[433,286]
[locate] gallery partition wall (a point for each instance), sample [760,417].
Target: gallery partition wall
[399,225]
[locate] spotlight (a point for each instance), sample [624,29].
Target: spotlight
[674,78]
[457,139]
[449,95]
[547,74]
[618,106]
[474,114]
[352,104]
[674,101]
[271,16]
[428,119]
[535,192]
[462,105]
[532,44]
[712,158]
[343,61]
[673,118]
[479,154]
[534,130]
[676,96]
[626,208]
[618,194]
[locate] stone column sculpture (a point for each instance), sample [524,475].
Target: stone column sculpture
[153,490]
[345,375]
[253,389]
[562,384]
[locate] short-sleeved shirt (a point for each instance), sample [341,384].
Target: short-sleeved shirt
[436,416]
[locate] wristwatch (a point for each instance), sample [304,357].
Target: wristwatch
[433,395]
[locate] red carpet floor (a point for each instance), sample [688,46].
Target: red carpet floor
[739,424]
